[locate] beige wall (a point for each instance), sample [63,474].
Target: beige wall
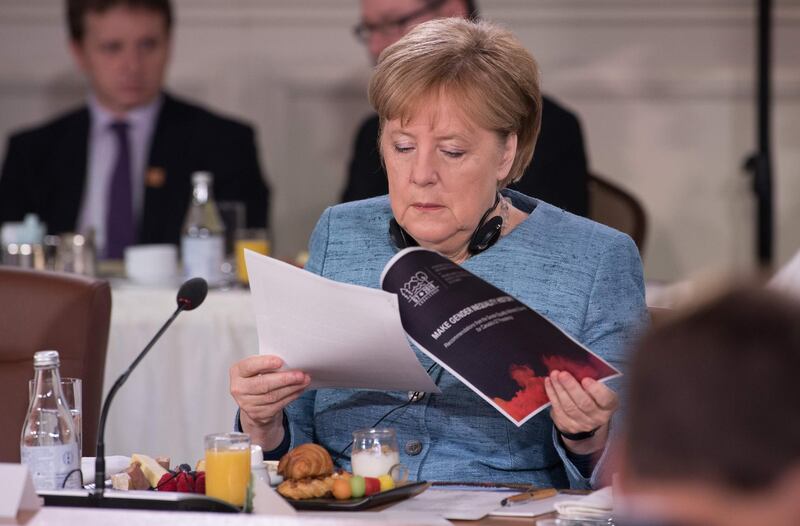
[664,90]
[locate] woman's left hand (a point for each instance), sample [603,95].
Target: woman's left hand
[579,407]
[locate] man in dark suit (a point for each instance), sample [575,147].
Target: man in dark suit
[558,172]
[122,164]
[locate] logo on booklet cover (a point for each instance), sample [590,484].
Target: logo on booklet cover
[419,289]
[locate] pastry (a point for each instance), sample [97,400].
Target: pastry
[308,488]
[304,461]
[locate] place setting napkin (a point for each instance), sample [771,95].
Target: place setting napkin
[595,506]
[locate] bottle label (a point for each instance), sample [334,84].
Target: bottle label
[202,257]
[50,466]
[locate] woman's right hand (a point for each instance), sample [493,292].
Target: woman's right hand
[262,391]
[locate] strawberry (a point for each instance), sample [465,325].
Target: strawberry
[185,482]
[168,482]
[200,483]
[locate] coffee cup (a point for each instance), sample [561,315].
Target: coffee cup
[153,265]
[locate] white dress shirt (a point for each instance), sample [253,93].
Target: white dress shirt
[101,156]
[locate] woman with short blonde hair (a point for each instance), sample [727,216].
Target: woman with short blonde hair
[460,110]
[481,65]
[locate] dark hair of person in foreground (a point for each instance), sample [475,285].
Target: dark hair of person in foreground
[714,396]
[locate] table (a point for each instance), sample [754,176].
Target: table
[180,391]
[55,516]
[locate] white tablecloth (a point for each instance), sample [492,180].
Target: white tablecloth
[180,391]
[54,516]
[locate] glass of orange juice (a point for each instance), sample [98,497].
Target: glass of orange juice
[255,239]
[228,466]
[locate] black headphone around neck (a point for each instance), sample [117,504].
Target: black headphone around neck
[485,235]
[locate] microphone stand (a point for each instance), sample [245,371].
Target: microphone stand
[190,296]
[100,459]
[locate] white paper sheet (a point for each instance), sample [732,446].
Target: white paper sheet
[379,517]
[18,493]
[266,500]
[532,508]
[342,335]
[474,504]
[466,505]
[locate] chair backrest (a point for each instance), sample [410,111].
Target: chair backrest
[47,310]
[611,205]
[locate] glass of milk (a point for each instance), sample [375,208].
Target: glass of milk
[375,452]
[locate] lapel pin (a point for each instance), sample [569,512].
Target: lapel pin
[155,177]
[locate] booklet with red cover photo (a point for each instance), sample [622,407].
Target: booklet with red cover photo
[493,343]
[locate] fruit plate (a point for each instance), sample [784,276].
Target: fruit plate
[384,497]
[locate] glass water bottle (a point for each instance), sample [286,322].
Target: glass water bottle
[48,444]
[203,234]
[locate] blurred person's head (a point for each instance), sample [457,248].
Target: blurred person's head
[122,46]
[713,424]
[384,22]
[460,110]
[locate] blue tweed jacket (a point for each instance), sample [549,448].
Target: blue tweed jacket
[583,276]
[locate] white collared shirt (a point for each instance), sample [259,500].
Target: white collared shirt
[101,156]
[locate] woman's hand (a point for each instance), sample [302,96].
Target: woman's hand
[262,391]
[579,407]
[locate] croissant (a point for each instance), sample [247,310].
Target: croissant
[307,460]
[306,489]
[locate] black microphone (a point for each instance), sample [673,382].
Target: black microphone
[192,293]
[190,296]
